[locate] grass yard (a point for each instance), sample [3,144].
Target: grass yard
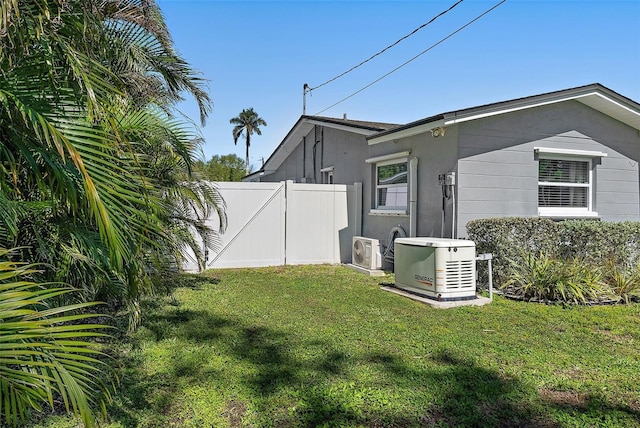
[324,346]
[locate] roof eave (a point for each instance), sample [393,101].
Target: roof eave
[595,96]
[409,130]
[366,131]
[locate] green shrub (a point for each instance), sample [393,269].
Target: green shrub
[593,242]
[601,242]
[582,283]
[505,237]
[533,277]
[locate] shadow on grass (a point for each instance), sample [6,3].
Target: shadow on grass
[465,394]
[287,381]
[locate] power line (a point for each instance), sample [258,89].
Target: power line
[385,49]
[414,58]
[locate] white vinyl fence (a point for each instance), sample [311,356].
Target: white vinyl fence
[285,223]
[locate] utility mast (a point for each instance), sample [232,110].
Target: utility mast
[305,89]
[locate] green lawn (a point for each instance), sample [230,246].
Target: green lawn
[324,346]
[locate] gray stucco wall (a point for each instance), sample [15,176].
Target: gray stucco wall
[435,156]
[498,172]
[495,164]
[291,168]
[343,150]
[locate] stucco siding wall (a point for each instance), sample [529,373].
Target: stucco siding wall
[617,188]
[291,168]
[435,156]
[497,184]
[345,151]
[342,150]
[498,170]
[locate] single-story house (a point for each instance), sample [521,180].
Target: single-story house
[572,153]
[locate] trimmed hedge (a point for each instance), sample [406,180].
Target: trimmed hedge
[595,242]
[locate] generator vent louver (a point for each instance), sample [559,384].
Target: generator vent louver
[460,274]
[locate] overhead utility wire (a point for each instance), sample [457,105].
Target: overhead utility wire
[385,49]
[414,58]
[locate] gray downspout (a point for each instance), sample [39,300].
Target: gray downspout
[322,148]
[454,209]
[413,197]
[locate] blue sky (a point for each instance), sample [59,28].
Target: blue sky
[260,53]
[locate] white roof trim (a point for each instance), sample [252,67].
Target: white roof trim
[616,103]
[301,129]
[569,152]
[596,98]
[327,169]
[519,107]
[409,132]
[389,157]
[349,128]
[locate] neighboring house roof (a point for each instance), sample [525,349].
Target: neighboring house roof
[594,95]
[304,125]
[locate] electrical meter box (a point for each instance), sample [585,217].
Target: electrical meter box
[437,268]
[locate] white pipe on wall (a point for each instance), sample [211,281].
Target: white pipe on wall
[413,197]
[453,212]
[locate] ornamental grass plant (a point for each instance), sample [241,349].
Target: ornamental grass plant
[548,279]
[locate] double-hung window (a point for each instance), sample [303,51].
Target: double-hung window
[566,182]
[390,183]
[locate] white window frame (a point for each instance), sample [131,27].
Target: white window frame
[327,175]
[396,209]
[571,155]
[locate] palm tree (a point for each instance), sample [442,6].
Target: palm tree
[90,163]
[247,123]
[86,93]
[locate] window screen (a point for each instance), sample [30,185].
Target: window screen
[563,183]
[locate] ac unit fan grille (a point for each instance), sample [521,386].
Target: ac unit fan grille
[459,274]
[361,252]
[366,253]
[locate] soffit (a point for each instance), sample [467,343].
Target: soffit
[595,96]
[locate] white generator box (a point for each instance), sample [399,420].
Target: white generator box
[437,268]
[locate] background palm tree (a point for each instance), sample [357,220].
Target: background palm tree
[247,123]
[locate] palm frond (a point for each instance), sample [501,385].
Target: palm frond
[41,353]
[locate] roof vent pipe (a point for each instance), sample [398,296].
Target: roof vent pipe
[344,116]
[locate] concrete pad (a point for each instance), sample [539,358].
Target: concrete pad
[370,272]
[478,301]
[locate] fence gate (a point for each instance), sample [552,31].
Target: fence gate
[273,224]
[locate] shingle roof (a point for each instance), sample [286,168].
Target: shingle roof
[374,126]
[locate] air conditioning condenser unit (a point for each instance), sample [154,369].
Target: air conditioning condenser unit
[365,253]
[437,268]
